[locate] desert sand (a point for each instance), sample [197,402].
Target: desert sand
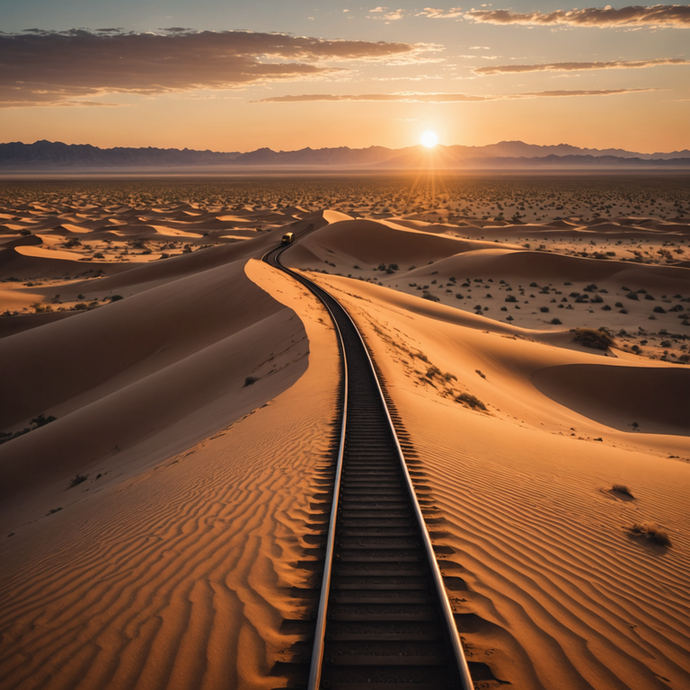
[163,530]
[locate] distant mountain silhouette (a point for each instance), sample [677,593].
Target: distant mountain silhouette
[46,156]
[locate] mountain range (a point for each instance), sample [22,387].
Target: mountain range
[45,156]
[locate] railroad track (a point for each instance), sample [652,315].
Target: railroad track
[384,619]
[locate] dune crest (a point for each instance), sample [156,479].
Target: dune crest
[157,566]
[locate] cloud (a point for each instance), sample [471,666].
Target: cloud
[413,97]
[47,68]
[582,92]
[395,97]
[579,66]
[677,16]
[434,13]
[391,16]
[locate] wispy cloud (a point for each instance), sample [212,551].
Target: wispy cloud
[49,68]
[434,13]
[579,66]
[391,16]
[677,16]
[415,97]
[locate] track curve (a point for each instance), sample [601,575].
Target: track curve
[384,617]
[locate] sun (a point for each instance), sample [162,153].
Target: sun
[429,139]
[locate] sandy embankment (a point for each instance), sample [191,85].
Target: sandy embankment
[176,567]
[170,566]
[552,589]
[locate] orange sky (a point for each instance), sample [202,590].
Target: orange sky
[348,76]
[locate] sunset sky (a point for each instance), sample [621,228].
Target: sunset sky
[236,76]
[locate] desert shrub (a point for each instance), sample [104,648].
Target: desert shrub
[659,310]
[78,479]
[652,532]
[622,489]
[116,298]
[429,296]
[556,322]
[42,420]
[250,380]
[600,339]
[471,401]
[544,310]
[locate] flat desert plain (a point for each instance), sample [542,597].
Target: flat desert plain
[169,414]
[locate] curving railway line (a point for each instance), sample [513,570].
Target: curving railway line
[384,619]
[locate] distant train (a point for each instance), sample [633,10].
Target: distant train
[287,238]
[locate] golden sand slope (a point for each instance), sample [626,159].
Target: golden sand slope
[647,305]
[167,569]
[551,588]
[178,561]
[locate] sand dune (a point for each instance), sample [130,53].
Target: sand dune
[194,389]
[521,494]
[616,395]
[167,558]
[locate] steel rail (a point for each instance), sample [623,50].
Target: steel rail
[322,613]
[456,644]
[436,576]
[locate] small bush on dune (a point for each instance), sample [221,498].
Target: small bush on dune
[652,532]
[600,339]
[250,380]
[622,489]
[471,401]
[78,480]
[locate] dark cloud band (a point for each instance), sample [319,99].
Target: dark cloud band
[677,16]
[579,66]
[444,97]
[46,68]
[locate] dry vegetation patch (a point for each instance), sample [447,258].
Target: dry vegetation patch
[651,532]
[599,339]
[622,489]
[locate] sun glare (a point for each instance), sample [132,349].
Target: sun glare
[429,139]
